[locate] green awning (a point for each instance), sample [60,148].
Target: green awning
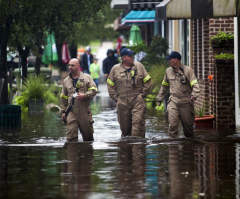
[138,16]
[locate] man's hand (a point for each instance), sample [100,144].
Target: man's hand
[106,75]
[158,103]
[193,99]
[63,116]
[81,96]
[159,106]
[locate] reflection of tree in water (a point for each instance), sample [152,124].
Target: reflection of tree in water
[78,169]
[95,108]
[100,103]
[29,172]
[3,171]
[46,124]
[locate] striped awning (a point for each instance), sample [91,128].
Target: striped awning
[143,4]
[137,16]
[180,9]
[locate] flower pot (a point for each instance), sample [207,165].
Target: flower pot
[204,122]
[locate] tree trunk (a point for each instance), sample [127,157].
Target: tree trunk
[23,54]
[4,31]
[73,50]
[39,53]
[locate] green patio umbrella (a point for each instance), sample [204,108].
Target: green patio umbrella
[50,55]
[135,36]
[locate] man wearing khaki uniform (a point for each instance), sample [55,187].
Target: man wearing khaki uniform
[128,84]
[81,88]
[184,90]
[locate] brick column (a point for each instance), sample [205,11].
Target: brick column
[225,94]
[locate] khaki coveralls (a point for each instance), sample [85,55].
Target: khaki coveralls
[80,115]
[182,84]
[128,87]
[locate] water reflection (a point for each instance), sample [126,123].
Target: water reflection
[181,171]
[130,172]
[3,172]
[77,175]
[215,170]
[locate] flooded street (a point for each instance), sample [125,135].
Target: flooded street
[36,162]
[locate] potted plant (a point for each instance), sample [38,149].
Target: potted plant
[224,58]
[223,40]
[203,121]
[35,93]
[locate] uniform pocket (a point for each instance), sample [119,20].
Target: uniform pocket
[139,80]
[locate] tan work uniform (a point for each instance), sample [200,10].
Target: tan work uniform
[80,115]
[182,85]
[128,87]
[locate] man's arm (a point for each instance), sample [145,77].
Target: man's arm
[194,85]
[63,103]
[147,82]
[111,86]
[92,89]
[63,99]
[163,90]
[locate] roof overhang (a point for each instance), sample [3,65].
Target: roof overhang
[193,9]
[138,16]
[119,4]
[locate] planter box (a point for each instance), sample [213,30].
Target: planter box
[10,116]
[225,44]
[204,122]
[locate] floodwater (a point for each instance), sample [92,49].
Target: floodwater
[36,162]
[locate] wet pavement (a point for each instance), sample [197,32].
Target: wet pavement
[36,162]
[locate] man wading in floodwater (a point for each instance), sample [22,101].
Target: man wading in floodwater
[128,84]
[184,90]
[77,92]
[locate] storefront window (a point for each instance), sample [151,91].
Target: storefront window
[184,40]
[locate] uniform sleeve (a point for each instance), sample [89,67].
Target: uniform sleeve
[164,89]
[112,86]
[147,82]
[194,84]
[91,90]
[63,99]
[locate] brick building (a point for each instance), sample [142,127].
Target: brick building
[218,95]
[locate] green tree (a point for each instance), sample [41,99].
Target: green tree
[22,24]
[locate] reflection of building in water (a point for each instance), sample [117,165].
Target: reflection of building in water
[215,166]
[181,171]
[130,172]
[80,156]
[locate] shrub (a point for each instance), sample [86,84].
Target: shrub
[157,72]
